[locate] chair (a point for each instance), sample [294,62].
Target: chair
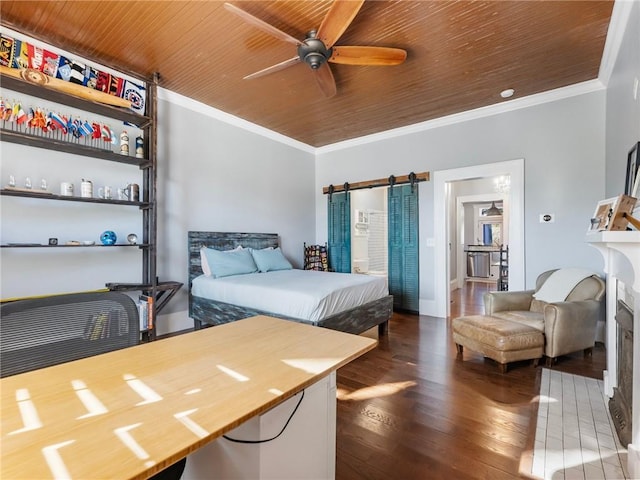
[568,325]
[315,257]
[45,331]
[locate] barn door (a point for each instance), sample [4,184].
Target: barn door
[403,247]
[340,232]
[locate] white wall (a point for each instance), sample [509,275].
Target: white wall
[39,271]
[214,176]
[561,141]
[623,111]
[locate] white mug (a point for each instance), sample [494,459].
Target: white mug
[66,189]
[105,192]
[86,189]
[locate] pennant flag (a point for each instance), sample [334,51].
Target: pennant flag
[106,133]
[115,87]
[39,120]
[64,68]
[20,54]
[103,81]
[21,117]
[14,112]
[50,63]
[6,51]
[90,77]
[30,116]
[97,133]
[36,57]
[87,129]
[7,111]
[136,94]
[58,121]
[77,72]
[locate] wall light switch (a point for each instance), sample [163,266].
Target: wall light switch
[431,242]
[547,217]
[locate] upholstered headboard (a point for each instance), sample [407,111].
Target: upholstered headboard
[224,241]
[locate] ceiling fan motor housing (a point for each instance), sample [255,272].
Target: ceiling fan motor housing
[313,51]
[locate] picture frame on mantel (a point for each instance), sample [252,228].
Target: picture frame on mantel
[632,180]
[602,215]
[612,214]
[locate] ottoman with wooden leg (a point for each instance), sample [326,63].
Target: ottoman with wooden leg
[499,339]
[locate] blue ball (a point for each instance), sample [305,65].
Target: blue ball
[108,237]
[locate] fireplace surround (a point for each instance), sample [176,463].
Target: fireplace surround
[621,253]
[620,403]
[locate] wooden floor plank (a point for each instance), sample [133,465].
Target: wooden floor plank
[410,409]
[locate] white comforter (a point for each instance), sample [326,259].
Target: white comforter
[303,294]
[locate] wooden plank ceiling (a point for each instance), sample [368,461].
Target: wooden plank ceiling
[461,54]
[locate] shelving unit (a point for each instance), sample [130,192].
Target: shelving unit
[503,276]
[149,284]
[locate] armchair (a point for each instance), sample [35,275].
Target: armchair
[568,325]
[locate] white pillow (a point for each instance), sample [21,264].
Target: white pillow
[206,269]
[560,283]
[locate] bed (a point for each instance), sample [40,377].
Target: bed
[358,305]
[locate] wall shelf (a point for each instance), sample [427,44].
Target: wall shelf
[51,196]
[73,148]
[149,285]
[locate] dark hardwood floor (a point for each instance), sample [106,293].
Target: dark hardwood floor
[410,410]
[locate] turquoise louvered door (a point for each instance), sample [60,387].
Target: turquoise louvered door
[340,232]
[403,247]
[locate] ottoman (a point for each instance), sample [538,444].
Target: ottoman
[501,340]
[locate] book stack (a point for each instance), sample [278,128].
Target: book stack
[145,311]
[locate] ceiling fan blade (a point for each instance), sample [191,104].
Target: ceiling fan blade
[324,79]
[337,19]
[273,68]
[368,55]
[261,24]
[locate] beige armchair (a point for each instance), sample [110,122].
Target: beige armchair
[568,326]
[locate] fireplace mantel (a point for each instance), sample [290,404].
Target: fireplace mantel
[621,253]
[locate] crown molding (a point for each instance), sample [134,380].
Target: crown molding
[199,107]
[482,112]
[617,26]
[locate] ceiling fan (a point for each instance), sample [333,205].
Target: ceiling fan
[319,47]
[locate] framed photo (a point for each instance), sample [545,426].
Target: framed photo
[602,215]
[632,183]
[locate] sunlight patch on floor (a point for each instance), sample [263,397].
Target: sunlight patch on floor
[575,436]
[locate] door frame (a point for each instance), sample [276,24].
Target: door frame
[442,217]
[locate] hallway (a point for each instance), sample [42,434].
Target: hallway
[468,299]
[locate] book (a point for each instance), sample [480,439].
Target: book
[148,310]
[143,311]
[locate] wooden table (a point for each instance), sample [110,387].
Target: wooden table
[133,412]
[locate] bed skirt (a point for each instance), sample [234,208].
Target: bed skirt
[207,313]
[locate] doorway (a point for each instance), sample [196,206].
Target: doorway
[369,237]
[444,203]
